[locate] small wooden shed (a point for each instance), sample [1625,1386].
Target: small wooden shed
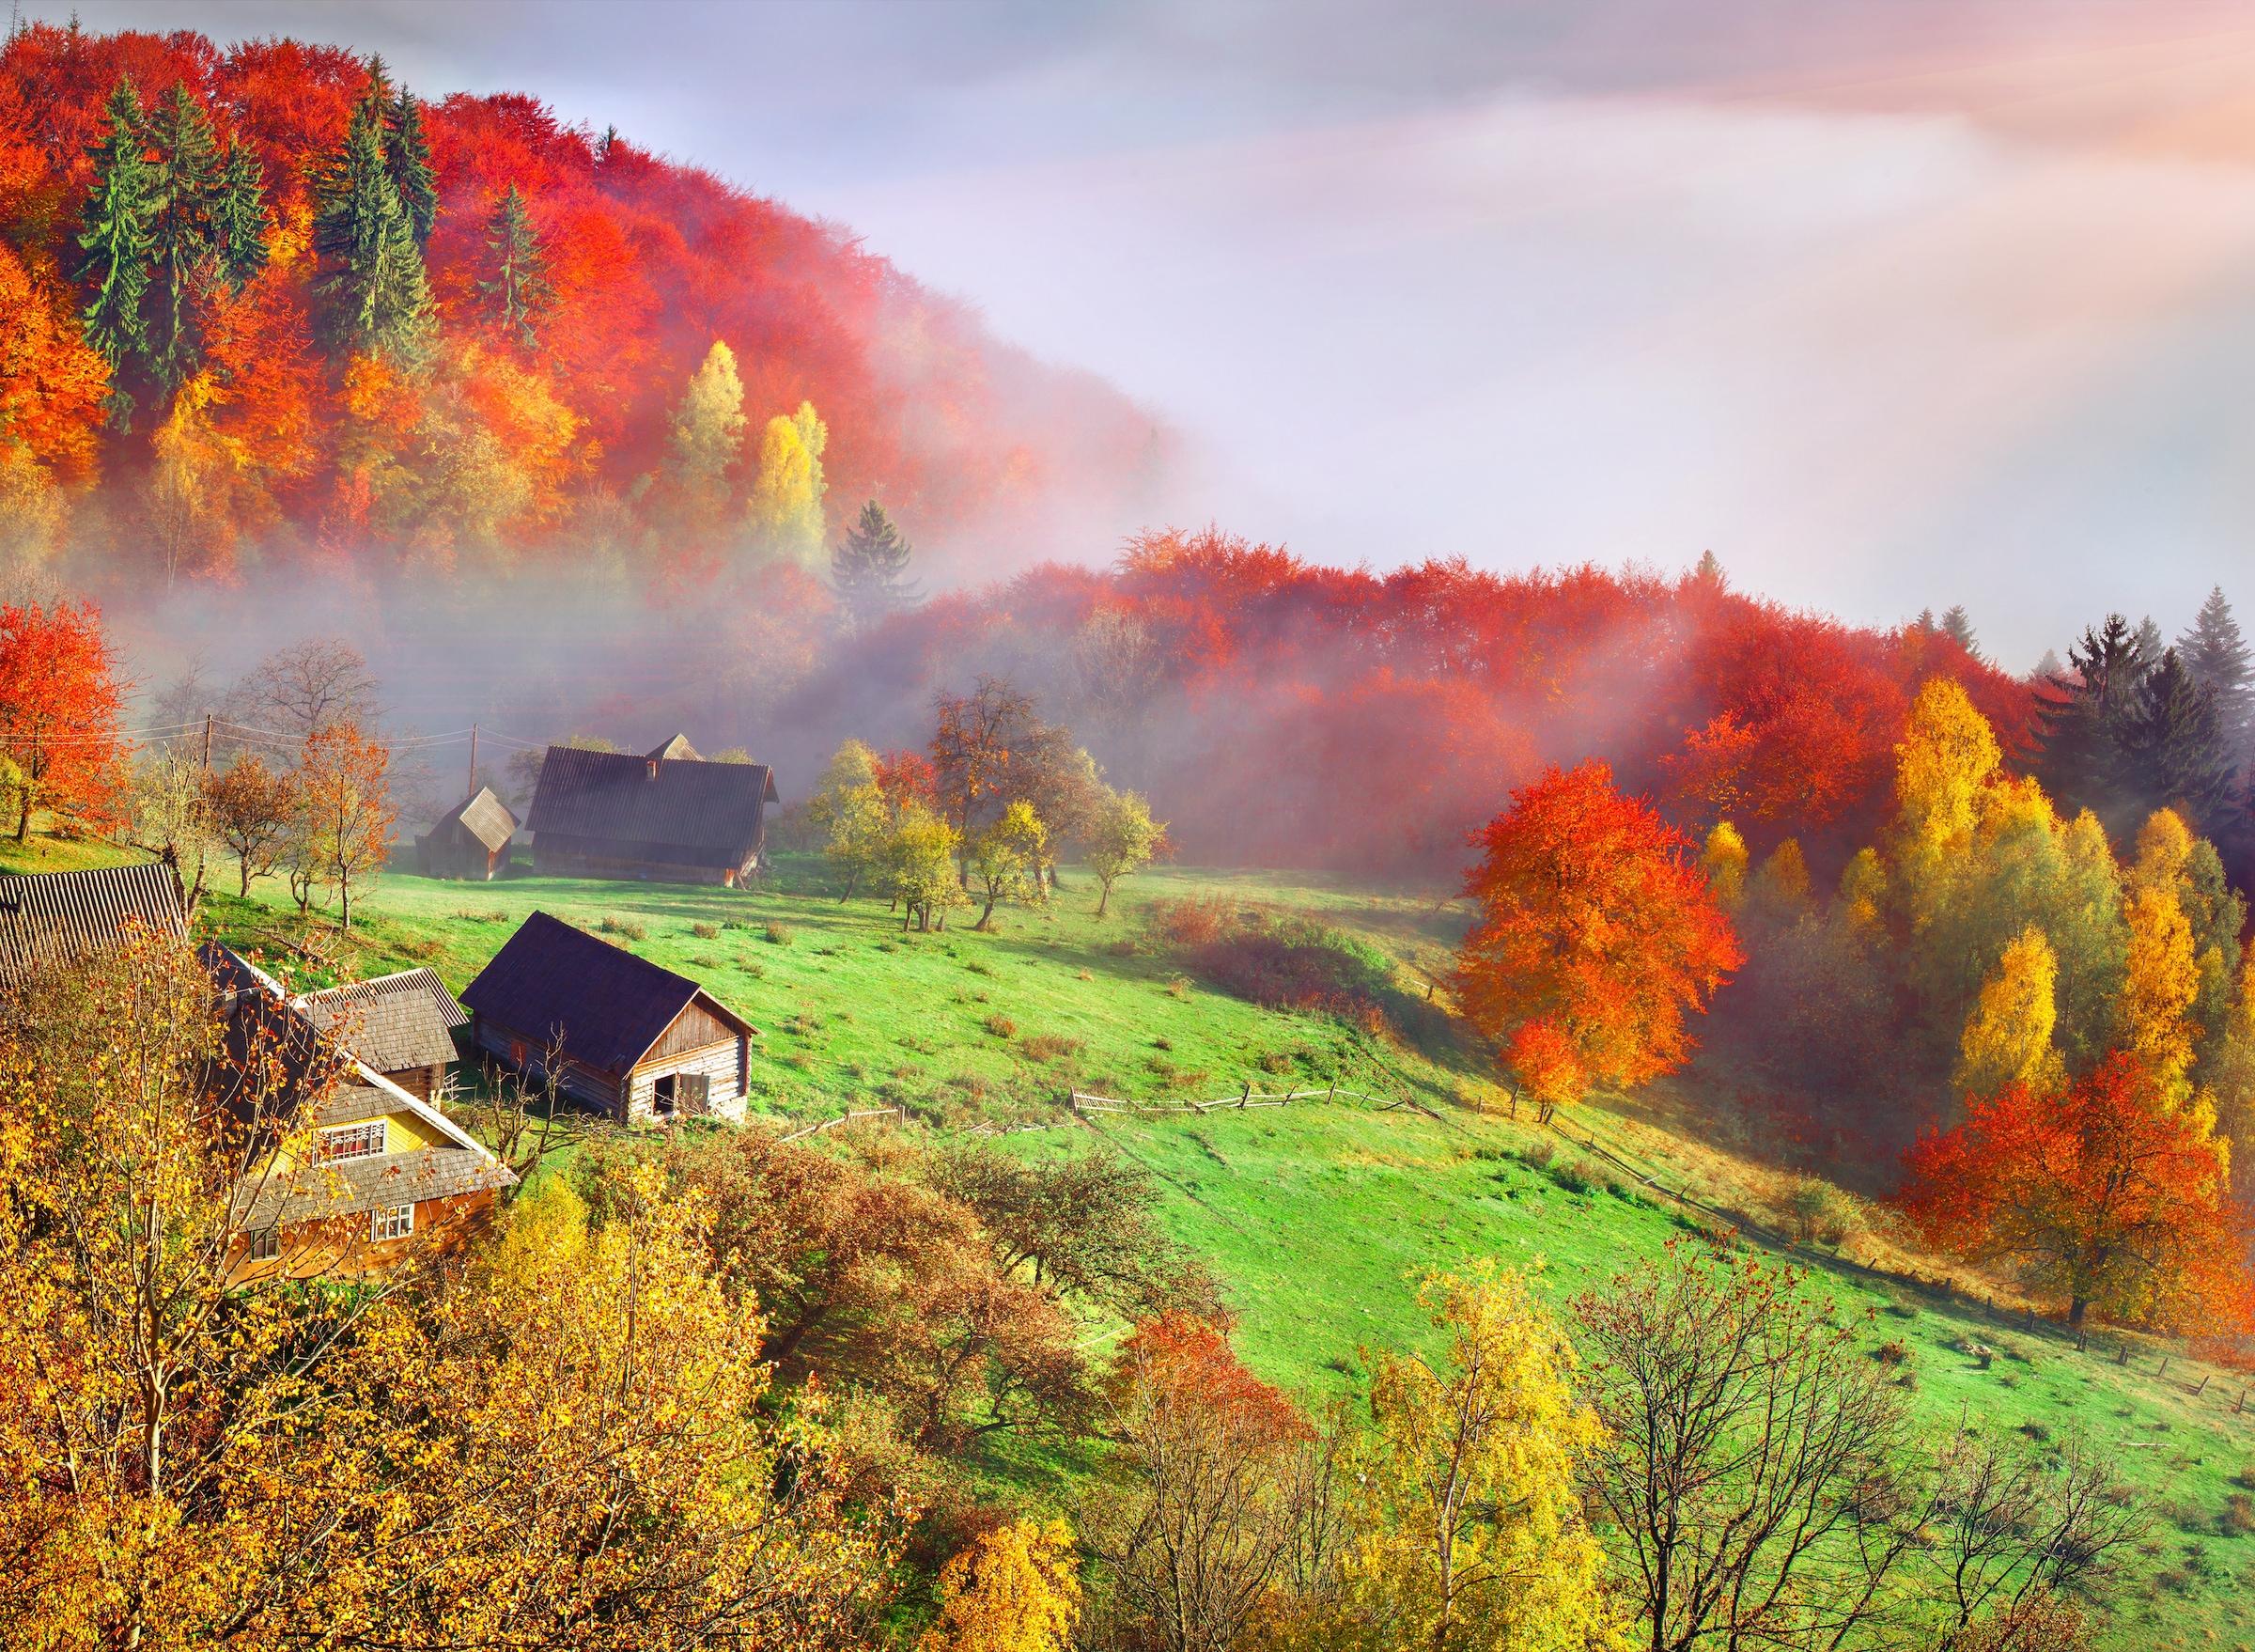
[634,1039]
[471,840]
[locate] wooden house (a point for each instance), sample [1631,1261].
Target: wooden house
[361,1172]
[632,1039]
[401,1024]
[471,840]
[666,814]
[53,917]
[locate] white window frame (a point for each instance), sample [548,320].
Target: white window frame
[391,1221]
[364,1140]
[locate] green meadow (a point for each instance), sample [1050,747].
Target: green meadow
[1319,1217]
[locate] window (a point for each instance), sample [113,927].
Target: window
[352,1140]
[390,1223]
[263,1246]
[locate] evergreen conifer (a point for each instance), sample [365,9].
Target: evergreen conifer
[1958,627]
[117,239]
[519,292]
[2175,746]
[185,189]
[2216,653]
[372,270]
[407,158]
[2149,643]
[2083,722]
[239,220]
[869,567]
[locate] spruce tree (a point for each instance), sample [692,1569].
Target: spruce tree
[407,158]
[184,192]
[2083,722]
[2175,748]
[117,239]
[239,218]
[2216,654]
[2149,643]
[518,293]
[372,270]
[869,567]
[1959,628]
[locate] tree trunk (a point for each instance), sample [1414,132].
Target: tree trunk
[24,819]
[981,924]
[2075,1312]
[1105,899]
[246,877]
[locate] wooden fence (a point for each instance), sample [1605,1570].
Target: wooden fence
[1084,1104]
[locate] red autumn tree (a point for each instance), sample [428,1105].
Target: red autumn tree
[1594,920]
[61,705]
[2107,1196]
[345,790]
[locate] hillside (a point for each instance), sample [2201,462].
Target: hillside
[523,402]
[1316,1215]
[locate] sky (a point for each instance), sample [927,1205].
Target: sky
[1891,304]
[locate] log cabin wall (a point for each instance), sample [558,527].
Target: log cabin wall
[528,1055]
[339,1246]
[724,1065]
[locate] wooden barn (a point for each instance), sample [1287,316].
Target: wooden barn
[667,814]
[52,917]
[468,841]
[362,1173]
[636,1042]
[400,1024]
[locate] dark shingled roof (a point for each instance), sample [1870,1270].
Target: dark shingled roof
[354,1185]
[393,1021]
[489,819]
[686,811]
[609,1005]
[48,917]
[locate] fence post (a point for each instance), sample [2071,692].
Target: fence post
[1331,1094]
[2242,1403]
[1245,1094]
[2204,1387]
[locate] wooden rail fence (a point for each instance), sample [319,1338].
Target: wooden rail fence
[1084,1104]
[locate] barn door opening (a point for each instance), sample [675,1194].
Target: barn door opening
[687,1093]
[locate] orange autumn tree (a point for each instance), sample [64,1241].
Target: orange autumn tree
[61,743]
[2104,1194]
[1596,932]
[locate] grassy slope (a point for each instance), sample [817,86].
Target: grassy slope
[1316,1216]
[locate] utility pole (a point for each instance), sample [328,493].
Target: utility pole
[473,787]
[207,743]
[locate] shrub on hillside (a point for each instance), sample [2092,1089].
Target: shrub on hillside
[1818,1211]
[625,926]
[1196,920]
[1298,964]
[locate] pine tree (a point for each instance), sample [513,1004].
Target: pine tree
[184,239]
[2175,745]
[2049,664]
[239,220]
[372,270]
[519,292]
[2216,653]
[407,158]
[868,569]
[2083,722]
[1959,628]
[117,239]
[2149,643]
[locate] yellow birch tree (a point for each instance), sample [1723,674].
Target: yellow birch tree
[2008,1037]
[785,510]
[1013,1591]
[1724,858]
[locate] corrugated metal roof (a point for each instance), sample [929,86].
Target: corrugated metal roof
[708,813]
[489,819]
[551,979]
[392,1021]
[47,917]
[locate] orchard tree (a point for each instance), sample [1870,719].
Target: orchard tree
[346,795]
[60,709]
[1004,858]
[2108,1194]
[919,867]
[1591,918]
[849,810]
[1122,841]
[251,809]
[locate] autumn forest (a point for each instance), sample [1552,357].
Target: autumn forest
[1767,968]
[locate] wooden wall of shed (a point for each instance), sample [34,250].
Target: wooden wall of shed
[578,1080]
[421,1083]
[726,1065]
[588,857]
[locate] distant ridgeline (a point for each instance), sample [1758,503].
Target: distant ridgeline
[278,308]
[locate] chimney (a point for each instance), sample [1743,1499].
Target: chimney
[653,767]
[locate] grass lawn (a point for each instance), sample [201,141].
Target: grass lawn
[1317,1217]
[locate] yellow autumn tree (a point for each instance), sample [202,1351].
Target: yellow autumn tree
[2159,981]
[1474,1534]
[1946,757]
[1782,885]
[1863,889]
[707,430]
[1013,1591]
[2164,847]
[2008,1037]
[1724,858]
[785,510]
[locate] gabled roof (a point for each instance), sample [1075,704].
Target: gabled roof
[709,813]
[608,1006]
[393,1021]
[677,749]
[489,821]
[48,917]
[274,1198]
